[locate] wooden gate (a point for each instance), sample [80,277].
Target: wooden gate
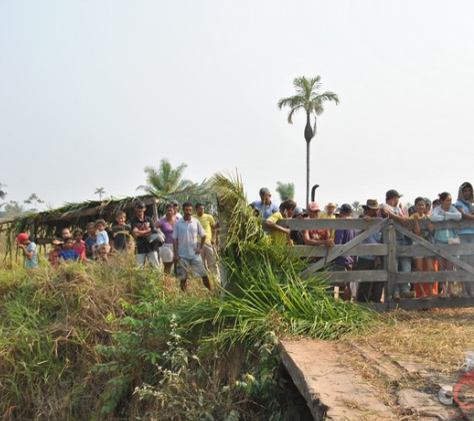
[390,253]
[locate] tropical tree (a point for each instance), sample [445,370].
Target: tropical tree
[285,190]
[309,100]
[3,193]
[167,183]
[100,191]
[33,200]
[165,179]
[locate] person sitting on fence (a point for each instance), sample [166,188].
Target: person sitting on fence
[68,253]
[79,244]
[370,291]
[265,204]
[424,290]
[316,237]
[90,239]
[391,210]
[279,234]
[465,206]
[29,250]
[446,212]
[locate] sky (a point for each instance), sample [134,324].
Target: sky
[93,91]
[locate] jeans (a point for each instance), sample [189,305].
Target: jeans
[404,266]
[152,259]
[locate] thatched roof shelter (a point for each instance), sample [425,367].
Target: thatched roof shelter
[43,226]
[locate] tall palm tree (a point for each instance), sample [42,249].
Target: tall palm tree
[100,191]
[309,99]
[285,190]
[165,179]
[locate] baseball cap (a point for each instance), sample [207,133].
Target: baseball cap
[174,203]
[299,211]
[313,206]
[391,194]
[140,204]
[21,237]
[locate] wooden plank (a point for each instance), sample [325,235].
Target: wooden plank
[391,262]
[358,276]
[333,254]
[329,224]
[421,277]
[417,304]
[436,249]
[421,251]
[359,250]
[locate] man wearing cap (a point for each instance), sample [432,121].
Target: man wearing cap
[329,214]
[29,251]
[176,208]
[265,205]
[370,291]
[142,226]
[296,236]
[316,237]
[391,210]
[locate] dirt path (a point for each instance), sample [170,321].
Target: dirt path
[354,381]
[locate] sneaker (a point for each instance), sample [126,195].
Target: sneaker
[408,294]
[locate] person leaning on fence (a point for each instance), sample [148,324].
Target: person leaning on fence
[279,234]
[316,237]
[142,226]
[465,206]
[344,263]
[187,251]
[446,212]
[29,250]
[424,290]
[391,210]
[296,236]
[370,291]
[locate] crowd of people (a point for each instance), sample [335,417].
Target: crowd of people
[440,209]
[187,241]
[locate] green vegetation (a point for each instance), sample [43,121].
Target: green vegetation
[115,342]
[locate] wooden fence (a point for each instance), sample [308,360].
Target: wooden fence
[390,253]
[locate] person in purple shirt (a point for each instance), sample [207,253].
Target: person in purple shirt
[344,263]
[166,225]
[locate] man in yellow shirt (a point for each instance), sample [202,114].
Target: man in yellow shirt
[279,234]
[208,253]
[329,214]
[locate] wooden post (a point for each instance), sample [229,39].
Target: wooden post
[391,263]
[155,211]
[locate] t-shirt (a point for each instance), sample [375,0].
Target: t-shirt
[186,233]
[121,236]
[33,262]
[460,204]
[81,249]
[343,237]
[141,243]
[102,238]
[278,236]
[69,255]
[265,211]
[167,229]
[90,241]
[207,222]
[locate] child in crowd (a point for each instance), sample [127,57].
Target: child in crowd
[90,240]
[68,253]
[66,233]
[53,256]
[121,233]
[102,243]
[79,244]
[29,251]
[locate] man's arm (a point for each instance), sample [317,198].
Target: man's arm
[310,242]
[391,215]
[175,249]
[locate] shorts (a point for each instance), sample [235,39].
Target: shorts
[166,253]
[196,264]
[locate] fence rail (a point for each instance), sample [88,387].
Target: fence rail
[390,252]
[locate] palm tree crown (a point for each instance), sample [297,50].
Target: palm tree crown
[309,99]
[165,179]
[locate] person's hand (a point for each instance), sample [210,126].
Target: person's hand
[404,222]
[198,250]
[329,242]
[176,258]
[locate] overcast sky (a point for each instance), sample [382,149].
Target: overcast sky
[93,91]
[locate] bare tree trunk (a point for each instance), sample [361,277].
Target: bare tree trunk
[308,135]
